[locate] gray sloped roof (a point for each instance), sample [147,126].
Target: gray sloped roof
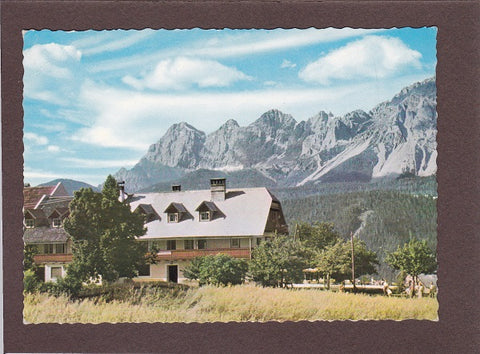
[58,212]
[147,208]
[45,234]
[35,213]
[38,215]
[175,207]
[206,205]
[245,213]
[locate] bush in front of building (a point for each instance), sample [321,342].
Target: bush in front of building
[219,270]
[31,283]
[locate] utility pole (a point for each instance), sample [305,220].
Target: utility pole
[353,263]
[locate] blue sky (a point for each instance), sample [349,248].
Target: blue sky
[95,100]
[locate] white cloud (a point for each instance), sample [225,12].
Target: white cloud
[101,42]
[369,57]
[35,139]
[181,73]
[49,72]
[287,64]
[134,120]
[227,45]
[50,59]
[270,83]
[96,163]
[53,148]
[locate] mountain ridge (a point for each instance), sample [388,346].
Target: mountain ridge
[394,136]
[70,185]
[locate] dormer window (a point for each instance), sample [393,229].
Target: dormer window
[205,216]
[56,222]
[56,217]
[175,212]
[149,213]
[34,218]
[29,223]
[207,211]
[173,217]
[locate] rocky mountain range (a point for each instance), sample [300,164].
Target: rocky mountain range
[395,136]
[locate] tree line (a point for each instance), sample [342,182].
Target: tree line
[104,230]
[281,261]
[390,218]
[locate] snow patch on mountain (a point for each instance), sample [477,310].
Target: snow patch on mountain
[345,155]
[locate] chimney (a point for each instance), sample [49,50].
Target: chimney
[218,188]
[176,188]
[121,188]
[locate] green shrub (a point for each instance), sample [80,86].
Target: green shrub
[31,283]
[50,288]
[220,269]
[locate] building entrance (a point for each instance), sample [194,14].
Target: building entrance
[173,273]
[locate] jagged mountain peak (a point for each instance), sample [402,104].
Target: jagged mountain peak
[320,117]
[395,134]
[426,88]
[275,117]
[183,126]
[229,124]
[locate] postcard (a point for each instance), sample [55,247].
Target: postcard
[217,175]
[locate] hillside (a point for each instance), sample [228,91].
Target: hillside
[70,185]
[384,219]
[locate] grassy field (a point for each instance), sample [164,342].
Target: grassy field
[239,303]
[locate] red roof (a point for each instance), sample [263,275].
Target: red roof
[32,195]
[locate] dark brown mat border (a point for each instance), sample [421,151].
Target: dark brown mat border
[458,178]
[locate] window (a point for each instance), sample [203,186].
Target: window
[188,244]
[156,245]
[171,245]
[55,272]
[204,216]
[60,248]
[29,223]
[202,244]
[173,217]
[259,240]
[56,222]
[49,248]
[235,243]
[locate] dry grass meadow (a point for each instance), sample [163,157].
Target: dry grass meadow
[237,303]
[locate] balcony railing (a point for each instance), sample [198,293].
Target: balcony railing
[52,257]
[189,254]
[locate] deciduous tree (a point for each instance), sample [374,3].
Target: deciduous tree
[318,235]
[336,260]
[279,261]
[103,230]
[414,258]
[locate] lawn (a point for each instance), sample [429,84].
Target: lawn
[237,303]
